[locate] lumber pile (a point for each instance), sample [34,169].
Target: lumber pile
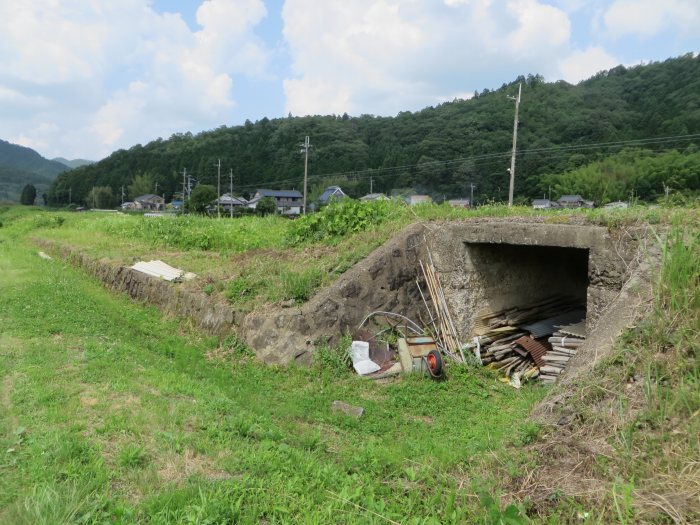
[523,342]
[563,348]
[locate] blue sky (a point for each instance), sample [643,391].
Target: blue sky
[82,78]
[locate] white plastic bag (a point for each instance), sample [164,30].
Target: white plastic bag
[359,353]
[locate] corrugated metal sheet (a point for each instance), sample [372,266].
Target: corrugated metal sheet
[577,329]
[549,326]
[534,348]
[159,269]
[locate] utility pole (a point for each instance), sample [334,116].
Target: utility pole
[122,195]
[305,149]
[218,190]
[70,195]
[549,196]
[515,140]
[471,198]
[370,185]
[230,173]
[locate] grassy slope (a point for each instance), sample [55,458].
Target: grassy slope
[111,413]
[251,261]
[637,416]
[155,431]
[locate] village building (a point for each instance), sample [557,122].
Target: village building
[331,193]
[616,204]
[459,203]
[419,199]
[574,201]
[229,202]
[149,202]
[374,197]
[288,202]
[541,204]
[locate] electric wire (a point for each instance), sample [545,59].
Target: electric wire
[557,152]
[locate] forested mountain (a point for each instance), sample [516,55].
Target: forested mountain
[439,150]
[20,166]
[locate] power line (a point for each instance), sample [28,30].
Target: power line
[560,150]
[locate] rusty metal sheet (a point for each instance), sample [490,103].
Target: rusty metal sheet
[535,348]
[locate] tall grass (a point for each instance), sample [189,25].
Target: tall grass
[678,288]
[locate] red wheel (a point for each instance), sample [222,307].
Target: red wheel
[434,362]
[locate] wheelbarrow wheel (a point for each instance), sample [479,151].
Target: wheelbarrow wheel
[434,362]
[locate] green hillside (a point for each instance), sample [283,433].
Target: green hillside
[441,150]
[20,166]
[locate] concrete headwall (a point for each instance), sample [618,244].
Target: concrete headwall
[488,265]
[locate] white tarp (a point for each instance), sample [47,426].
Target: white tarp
[359,353]
[162,271]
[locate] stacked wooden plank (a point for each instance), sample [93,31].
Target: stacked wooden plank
[564,347]
[503,343]
[490,321]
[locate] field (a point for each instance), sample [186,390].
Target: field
[111,413]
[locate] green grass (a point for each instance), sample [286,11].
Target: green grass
[111,413]
[651,385]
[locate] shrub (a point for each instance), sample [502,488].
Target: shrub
[339,218]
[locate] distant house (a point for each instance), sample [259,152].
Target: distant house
[149,202]
[541,204]
[288,202]
[459,203]
[227,202]
[574,201]
[331,193]
[374,197]
[616,204]
[419,199]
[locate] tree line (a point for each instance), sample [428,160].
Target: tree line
[635,115]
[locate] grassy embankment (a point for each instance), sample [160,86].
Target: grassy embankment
[110,413]
[253,261]
[638,413]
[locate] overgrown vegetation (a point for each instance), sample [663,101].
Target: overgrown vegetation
[342,218]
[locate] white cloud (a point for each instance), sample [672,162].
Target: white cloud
[383,56]
[647,18]
[581,65]
[111,74]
